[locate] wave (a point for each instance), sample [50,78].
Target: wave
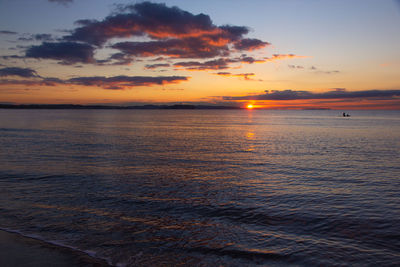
[240,253]
[97,260]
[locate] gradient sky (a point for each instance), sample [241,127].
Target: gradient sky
[271,53]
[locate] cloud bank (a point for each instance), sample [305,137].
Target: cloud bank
[65,52]
[8,32]
[21,72]
[304,95]
[113,83]
[122,82]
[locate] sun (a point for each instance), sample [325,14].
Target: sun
[250,106]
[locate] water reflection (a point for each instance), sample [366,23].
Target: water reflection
[154,188]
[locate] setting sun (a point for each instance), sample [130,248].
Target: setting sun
[249,106]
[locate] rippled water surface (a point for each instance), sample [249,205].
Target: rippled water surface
[206,187]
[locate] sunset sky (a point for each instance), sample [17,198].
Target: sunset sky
[271,53]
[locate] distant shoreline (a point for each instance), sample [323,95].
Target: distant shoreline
[176,106]
[73,106]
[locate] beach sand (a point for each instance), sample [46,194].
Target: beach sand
[17,250]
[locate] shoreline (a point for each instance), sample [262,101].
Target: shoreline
[19,250]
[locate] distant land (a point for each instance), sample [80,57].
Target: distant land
[72,106]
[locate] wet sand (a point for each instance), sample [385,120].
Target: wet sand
[17,250]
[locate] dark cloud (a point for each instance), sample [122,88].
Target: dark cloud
[250,44]
[25,39]
[249,60]
[246,76]
[224,63]
[21,72]
[112,83]
[43,37]
[154,20]
[169,32]
[335,94]
[178,48]
[8,32]
[122,82]
[174,32]
[155,66]
[37,37]
[66,52]
[43,82]
[11,57]
[217,64]
[116,59]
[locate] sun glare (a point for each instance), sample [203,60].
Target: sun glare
[249,106]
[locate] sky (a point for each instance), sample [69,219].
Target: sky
[279,54]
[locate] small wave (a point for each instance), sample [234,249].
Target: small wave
[250,254]
[56,243]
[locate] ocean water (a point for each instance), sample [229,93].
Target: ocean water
[206,187]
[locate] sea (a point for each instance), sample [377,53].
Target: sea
[205,187]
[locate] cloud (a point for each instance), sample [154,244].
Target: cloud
[224,63]
[11,57]
[302,95]
[8,32]
[322,71]
[42,82]
[66,52]
[295,67]
[173,32]
[176,48]
[250,44]
[112,83]
[116,59]
[246,76]
[63,2]
[15,71]
[160,30]
[158,21]
[328,72]
[154,20]
[37,37]
[341,89]
[155,66]
[249,60]
[283,56]
[217,64]
[122,82]
[313,68]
